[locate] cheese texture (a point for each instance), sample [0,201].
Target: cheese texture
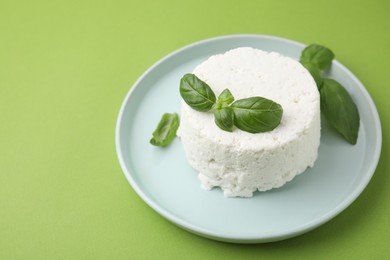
[240,162]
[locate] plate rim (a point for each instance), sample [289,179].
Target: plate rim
[268,237]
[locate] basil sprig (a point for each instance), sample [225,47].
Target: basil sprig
[336,103]
[166,130]
[253,115]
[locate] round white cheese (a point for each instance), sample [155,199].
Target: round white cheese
[240,162]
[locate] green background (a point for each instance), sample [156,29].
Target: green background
[65,68]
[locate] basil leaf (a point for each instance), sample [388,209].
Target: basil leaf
[256,114]
[224,118]
[340,110]
[317,55]
[226,97]
[196,93]
[166,130]
[315,73]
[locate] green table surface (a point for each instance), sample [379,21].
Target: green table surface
[65,68]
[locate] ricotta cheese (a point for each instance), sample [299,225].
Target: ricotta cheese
[240,162]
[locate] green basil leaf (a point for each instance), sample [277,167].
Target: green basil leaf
[225,97]
[315,73]
[256,114]
[196,93]
[224,118]
[340,110]
[317,55]
[166,130]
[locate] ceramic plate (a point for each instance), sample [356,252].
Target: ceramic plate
[165,181]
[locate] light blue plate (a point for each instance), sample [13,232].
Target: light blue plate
[165,181]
